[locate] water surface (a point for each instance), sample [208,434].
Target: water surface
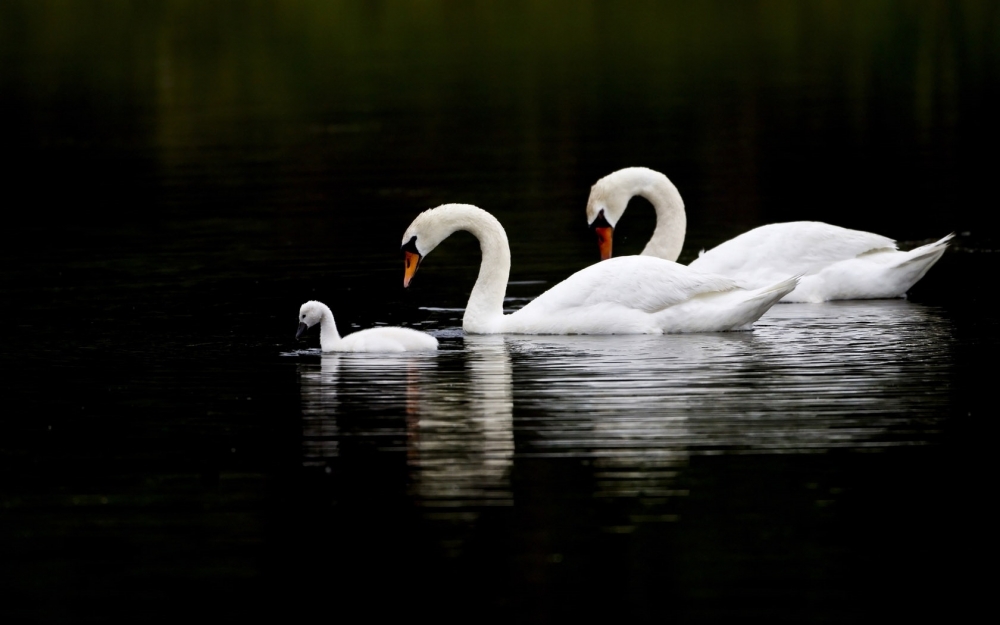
[182,176]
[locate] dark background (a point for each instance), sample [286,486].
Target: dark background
[179,176]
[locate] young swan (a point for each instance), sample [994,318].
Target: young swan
[626,295]
[835,263]
[385,339]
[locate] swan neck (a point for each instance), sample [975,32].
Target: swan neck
[328,335]
[484,312]
[671,220]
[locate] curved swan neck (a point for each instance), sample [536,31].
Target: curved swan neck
[484,312]
[671,220]
[613,192]
[328,335]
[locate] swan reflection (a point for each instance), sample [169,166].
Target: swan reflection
[810,378]
[456,408]
[461,438]
[318,387]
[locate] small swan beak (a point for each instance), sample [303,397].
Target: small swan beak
[604,235]
[302,328]
[412,260]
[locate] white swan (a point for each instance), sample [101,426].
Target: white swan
[384,339]
[628,295]
[835,263]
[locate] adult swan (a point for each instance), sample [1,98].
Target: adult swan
[835,263]
[628,295]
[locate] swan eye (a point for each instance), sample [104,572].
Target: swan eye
[601,221]
[411,246]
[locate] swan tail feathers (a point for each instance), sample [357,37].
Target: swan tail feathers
[776,291]
[761,300]
[915,263]
[935,249]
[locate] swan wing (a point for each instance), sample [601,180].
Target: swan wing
[644,295]
[639,283]
[802,247]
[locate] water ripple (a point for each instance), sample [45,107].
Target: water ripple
[808,379]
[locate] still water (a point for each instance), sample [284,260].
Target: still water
[809,379]
[183,176]
[641,437]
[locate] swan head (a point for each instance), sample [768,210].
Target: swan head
[428,230]
[605,206]
[610,196]
[411,259]
[310,314]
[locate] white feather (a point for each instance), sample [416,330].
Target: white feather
[835,263]
[628,295]
[384,339]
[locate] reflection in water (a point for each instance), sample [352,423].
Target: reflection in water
[810,378]
[318,385]
[254,134]
[461,431]
[457,407]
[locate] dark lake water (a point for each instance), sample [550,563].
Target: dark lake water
[182,176]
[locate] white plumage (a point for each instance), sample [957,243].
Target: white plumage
[628,295]
[384,339]
[835,263]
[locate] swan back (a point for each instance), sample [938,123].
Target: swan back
[388,339]
[799,247]
[632,295]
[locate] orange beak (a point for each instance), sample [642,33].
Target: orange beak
[412,260]
[604,235]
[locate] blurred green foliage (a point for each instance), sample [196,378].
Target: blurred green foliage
[319,58]
[556,92]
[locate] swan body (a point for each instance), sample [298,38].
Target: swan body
[835,263]
[627,295]
[383,339]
